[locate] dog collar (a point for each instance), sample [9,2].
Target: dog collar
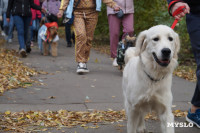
[150,77]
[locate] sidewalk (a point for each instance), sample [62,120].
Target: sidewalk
[102,86]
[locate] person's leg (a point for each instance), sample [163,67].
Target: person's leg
[5,24]
[19,23]
[81,39]
[114,29]
[193,26]
[11,26]
[68,34]
[195,41]
[128,23]
[37,28]
[90,23]
[27,21]
[40,45]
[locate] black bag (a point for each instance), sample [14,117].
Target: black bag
[52,18]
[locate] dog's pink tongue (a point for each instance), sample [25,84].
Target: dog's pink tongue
[164,61]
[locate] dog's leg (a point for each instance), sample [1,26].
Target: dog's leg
[167,118]
[54,49]
[133,120]
[45,49]
[141,124]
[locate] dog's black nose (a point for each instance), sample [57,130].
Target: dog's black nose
[166,52]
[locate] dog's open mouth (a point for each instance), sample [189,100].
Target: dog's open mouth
[163,62]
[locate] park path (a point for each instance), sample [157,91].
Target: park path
[64,89]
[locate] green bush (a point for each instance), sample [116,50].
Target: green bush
[147,14]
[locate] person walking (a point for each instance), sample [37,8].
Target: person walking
[21,11]
[85,20]
[52,8]
[7,26]
[192,12]
[115,22]
[36,17]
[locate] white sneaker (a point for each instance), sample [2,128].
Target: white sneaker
[22,52]
[9,40]
[115,62]
[3,33]
[82,68]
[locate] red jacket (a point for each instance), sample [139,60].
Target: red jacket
[36,13]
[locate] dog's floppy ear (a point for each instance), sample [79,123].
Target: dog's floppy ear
[141,42]
[177,46]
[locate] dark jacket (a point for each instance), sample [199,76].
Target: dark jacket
[21,8]
[193,4]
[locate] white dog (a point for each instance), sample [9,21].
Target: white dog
[147,77]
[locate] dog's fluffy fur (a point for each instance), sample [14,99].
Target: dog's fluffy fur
[147,80]
[53,32]
[52,35]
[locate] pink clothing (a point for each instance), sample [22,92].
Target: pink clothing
[126,5]
[114,29]
[36,13]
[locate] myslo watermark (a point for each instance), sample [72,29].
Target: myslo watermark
[179,124]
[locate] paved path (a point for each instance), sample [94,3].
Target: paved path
[102,85]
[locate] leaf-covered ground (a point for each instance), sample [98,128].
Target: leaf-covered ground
[13,73]
[41,121]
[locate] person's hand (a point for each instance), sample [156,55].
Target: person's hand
[8,20]
[182,14]
[1,18]
[43,10]
[117,8]
[60,14]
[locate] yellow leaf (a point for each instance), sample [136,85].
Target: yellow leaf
[96,61]
[28,116]
[7,112]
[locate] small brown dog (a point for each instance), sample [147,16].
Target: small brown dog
[52,32]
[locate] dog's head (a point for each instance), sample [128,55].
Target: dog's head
[129,41]
[160,43]
[53,32]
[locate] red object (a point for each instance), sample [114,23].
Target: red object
[48,25]
[36,13]
[176,12]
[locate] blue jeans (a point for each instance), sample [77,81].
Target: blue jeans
[40,45]
[35,27]
[193,26]
[22,24]
[8,27]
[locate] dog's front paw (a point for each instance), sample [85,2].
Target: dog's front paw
[142,130]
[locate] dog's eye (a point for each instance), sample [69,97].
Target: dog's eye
[156,39]
[170,38]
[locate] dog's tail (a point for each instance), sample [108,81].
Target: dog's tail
[130,52]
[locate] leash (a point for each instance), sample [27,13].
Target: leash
[176,12]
